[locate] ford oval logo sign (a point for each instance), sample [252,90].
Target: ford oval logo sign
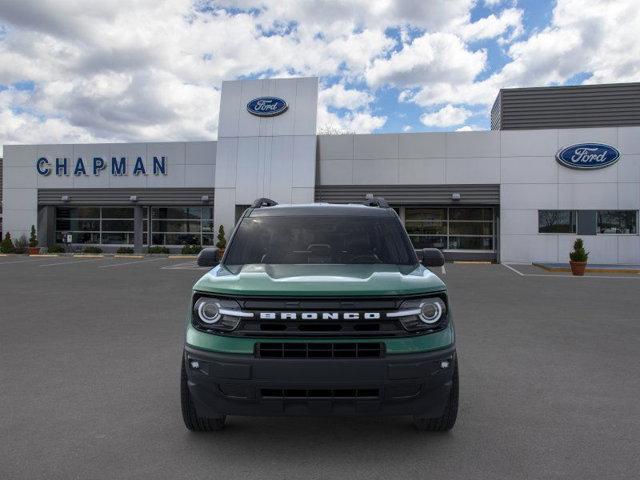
[267,106]
[588,156]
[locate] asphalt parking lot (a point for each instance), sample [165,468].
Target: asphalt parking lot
[90,351]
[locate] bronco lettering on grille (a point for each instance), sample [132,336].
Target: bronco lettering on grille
[319,315]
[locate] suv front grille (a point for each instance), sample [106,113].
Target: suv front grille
[320,350]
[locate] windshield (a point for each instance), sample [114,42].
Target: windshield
[320,239]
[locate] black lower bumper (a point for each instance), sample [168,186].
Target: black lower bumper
[229,384]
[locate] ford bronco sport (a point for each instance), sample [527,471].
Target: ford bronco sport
[320,310]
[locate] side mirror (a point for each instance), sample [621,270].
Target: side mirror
[432,257]
[208,257]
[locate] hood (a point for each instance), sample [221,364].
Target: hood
[320,280]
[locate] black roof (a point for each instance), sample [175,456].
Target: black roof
[321,209]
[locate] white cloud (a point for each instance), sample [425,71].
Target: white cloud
[407,128]
[151,69]
[432,57]
[447,116]
[469,128]
[509,20]
[338,96]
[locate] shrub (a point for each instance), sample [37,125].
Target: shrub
[7,244]
[191,249]
[158,249]
[222,241]
[21,245]
[579,254]
[55,249]
[124,250]
[33,238]
[92,249]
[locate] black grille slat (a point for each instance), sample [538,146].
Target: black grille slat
[321,393]
[319,350]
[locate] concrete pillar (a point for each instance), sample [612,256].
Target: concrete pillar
[138,225]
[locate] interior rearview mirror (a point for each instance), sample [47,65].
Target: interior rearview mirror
[208,257]
[432,257]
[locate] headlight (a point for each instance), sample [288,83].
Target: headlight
[421,314]
[431,310]
[208,310]
[217,314]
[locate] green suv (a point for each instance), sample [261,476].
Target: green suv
[320,309]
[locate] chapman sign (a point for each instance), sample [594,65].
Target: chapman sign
[96,165]
[588,156]
[267,106]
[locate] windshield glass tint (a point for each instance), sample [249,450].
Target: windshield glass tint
[321,239]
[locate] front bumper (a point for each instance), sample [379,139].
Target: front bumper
[406,384]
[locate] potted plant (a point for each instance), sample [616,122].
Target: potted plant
[221,244]
[33,242]
[7,244]
[578,258]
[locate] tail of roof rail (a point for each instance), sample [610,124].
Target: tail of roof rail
[376,202]
[264,202]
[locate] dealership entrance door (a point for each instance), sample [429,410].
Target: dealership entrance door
[461,232]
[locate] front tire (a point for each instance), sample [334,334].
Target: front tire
[192,420]
[450,414]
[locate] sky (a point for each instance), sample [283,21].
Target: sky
[77,71]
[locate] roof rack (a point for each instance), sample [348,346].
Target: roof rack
[376,202]
[264,202]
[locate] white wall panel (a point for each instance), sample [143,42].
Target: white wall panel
[528,248]
[529,143]
[519,222]
[629,196]
[529,170]
[373,147]
[629,140]
[628,248]
[570,136]
[473,144]
[335,147]
[336,172]
[473,170]
[372,172]
[528,196]
[587,196]
[421,170]
[422,145]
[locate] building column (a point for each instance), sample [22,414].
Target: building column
[46,229]
[138,227]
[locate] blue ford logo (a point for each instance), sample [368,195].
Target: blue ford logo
[588,156]
[267,106]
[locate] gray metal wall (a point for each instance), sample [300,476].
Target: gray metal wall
[411,194]
[616,104]
[121,196]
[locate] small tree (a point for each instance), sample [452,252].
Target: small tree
[222,241]
[20,245]
[33,239]
[7,244]
[579,254]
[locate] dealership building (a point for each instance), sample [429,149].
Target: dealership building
[559,163]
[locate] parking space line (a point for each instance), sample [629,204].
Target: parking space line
[21,261]
[130,263]
[513,269]
[617,277]
[70,263]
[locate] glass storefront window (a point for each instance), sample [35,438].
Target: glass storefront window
[450,228]
[182,225]
[556,221]
[618,221]
[95,225]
